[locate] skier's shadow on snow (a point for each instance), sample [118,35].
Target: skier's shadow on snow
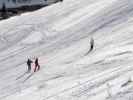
[22,75]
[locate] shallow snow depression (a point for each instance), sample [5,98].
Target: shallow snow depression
[60,35]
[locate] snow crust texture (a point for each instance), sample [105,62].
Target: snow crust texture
[60,36]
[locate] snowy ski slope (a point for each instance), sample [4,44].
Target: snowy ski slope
[60,35]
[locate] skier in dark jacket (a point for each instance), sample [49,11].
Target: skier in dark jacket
[91,46]
[37,66]
[29,64]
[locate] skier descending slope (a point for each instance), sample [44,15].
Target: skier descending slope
[27,76]
[29,64]
[37,66]
[91,46]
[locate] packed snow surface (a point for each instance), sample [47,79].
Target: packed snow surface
[60,35]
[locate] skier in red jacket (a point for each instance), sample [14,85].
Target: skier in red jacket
[37,66]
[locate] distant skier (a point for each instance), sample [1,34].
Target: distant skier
[29,64]
[91,46]
[37,66]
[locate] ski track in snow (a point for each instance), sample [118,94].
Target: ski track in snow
[64,31]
